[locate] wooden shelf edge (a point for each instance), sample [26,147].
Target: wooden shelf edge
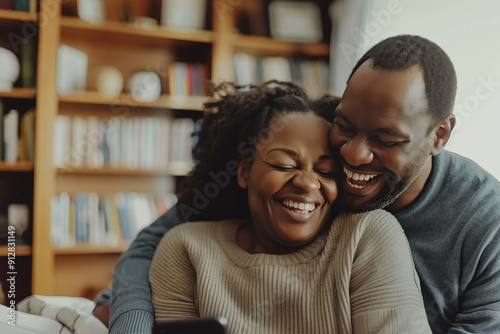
[21,250]
[164,101]
[19,93]
[160,32]
[266,45]
[90,249]
[20,166]
[17,15]
[181,169]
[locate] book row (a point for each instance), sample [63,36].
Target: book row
[145,143]
[312,75]
[104,220]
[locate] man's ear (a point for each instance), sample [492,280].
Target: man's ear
[442,134]
[243,173]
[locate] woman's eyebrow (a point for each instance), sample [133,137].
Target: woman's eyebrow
[285,150]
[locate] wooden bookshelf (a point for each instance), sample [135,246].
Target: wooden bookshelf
[77,270]
[20,166]
[73,27]
[164,101]
[261,45]
[16,15]
[175,170]
[19,93]
[21,250]
[90,249]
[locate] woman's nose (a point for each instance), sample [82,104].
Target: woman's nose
[307,181]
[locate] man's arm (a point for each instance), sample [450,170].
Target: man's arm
[479,298]
[131,303]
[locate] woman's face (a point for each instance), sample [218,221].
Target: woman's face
[291,183]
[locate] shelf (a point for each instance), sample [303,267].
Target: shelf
[164,101]
[268,46]
[21,250]
[75,28]
[20,166]
[181,169]
[19,93]
[16,15]
[90,249]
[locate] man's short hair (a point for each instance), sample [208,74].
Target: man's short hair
[404,51]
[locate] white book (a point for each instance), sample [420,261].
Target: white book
[65,221]
[181,144]
[78,141]
[163,142]
[244,68]
[113,138]
[10,123]
[62,141]
[94,237]
[276,68]
[142,213]
[95,156]
[130,143]
[55,221]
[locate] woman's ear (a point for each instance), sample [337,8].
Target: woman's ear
[443,134]
[243,173]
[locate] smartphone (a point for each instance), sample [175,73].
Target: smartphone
[191,326]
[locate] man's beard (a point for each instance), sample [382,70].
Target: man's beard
[387,195]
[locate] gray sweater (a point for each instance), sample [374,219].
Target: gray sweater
[453,229]
[358,278]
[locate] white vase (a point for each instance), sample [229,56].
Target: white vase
[9,69]
[144,86]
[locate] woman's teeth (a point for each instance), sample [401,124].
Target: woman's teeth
[299,206]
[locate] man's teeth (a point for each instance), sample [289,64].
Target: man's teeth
[306,207]
[358,177]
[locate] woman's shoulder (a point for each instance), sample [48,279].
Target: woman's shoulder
[375,223]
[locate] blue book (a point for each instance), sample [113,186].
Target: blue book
[22,5]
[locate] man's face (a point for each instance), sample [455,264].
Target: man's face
[381,133]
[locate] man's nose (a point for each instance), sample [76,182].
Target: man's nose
[356,152]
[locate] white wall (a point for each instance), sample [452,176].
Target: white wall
[469,31]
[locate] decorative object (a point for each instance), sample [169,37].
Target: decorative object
[144,22]
[109,82]
[184,14]
[9,69]
[93,11]
[144,86]
[18,217]
[71,70]
[293,21]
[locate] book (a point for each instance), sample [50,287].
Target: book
[27,138]
[62,141]
[22,5]
[28,59]
[78,153]
[10,136]
[1,130]
[276,68]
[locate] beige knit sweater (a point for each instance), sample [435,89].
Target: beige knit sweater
[357,279]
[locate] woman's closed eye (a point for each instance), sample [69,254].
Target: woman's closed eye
[325,173]
[283,168]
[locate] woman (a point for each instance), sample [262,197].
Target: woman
[274,262]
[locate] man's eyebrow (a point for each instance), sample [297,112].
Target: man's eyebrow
[386,131]
[285,150]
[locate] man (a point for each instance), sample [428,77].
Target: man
[391,126]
